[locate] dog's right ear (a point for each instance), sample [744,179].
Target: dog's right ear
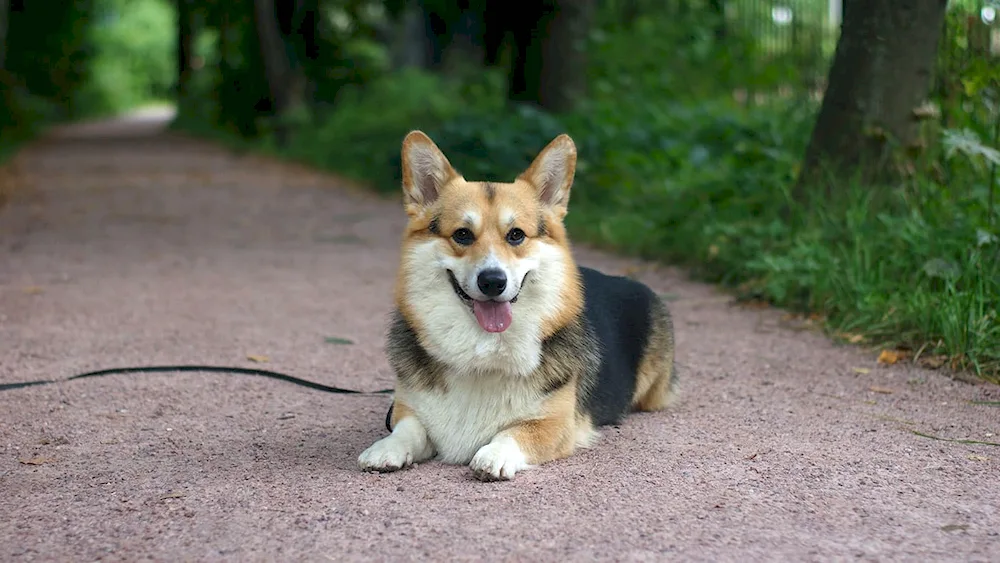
[425,169]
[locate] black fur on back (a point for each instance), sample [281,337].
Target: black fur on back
[619,311]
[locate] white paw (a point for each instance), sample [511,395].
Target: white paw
[498,460]
[388,454]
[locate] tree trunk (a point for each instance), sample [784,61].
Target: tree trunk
[185,40]
[4,18]
[466,45]
[551,55]
[718,9]
[526,65]
[300,32]
[629,13]
[496,25]
[881,71]
[286,81]
[410,45]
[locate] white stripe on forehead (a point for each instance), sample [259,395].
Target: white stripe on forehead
[507,217]
[472,218]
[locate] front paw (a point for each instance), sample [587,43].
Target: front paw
[386,455]
[498,460]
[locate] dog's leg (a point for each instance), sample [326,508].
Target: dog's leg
[531,442]
[408,444]
[655,379]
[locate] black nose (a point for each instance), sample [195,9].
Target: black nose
[492,282]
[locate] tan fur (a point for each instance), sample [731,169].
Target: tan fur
[554,435]
[655,376]
[400,410]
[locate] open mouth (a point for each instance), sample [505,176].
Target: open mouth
[492,316]
[458,289]
[466,297]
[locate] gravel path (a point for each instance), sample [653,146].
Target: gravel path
[129,246]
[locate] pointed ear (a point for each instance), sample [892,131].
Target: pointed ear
[552,172]
[425,169]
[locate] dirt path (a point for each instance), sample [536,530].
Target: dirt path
[128,247]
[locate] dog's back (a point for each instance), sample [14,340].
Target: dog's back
[635,333]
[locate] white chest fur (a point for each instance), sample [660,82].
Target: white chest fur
[467,416]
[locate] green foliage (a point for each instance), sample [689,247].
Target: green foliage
[133,44]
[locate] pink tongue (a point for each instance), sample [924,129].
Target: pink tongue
[492,316]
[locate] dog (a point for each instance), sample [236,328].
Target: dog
[507,354]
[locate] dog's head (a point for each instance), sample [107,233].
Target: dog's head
[497,250]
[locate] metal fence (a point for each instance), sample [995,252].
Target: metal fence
[793,42]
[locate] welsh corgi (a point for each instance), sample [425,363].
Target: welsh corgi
[507,354]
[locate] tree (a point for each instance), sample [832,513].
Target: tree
[881,72]
[4,12]
[242,90]
[185,38]
[285,78]
[550,60]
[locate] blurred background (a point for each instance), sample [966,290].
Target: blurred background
[834,157]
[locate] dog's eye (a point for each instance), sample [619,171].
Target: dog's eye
[463,236]
[515,237]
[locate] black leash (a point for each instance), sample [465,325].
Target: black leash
[211,369]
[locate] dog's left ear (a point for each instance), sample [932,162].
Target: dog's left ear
[552,172]
[425,169]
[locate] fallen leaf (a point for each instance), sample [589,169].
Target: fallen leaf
[974,457]
[954,527]
[37,460]
[338,340]
[882,390]
[33,290]
[851,337]
[755,304]
[257,358]
[889,357]
[862,371]
[286,416]
[933,362]
[171,495]
[669,296]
